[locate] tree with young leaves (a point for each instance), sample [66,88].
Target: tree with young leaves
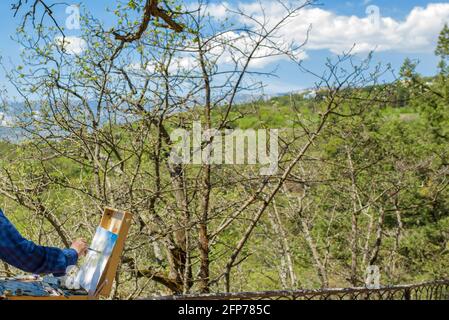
[442,50]
[161,12]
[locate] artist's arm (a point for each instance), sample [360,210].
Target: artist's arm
[29,257]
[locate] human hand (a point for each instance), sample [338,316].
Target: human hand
[80,246]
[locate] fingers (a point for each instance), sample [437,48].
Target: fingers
[80,245]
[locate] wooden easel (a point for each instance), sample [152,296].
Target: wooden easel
[117,222]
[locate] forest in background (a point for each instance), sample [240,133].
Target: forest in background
[363,175]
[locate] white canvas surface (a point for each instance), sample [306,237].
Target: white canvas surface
[90,272]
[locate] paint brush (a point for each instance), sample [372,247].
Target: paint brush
[93,250]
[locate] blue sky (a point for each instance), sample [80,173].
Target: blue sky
[408,28]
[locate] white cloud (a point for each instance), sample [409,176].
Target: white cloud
[239,46]
[218,10]
[337,33]
[71,45]
[5,120]
[235,51]
[185,62]
[417,33]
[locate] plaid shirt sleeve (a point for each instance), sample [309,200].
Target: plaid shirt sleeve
[29,257]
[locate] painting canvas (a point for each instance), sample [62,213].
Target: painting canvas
[100,251]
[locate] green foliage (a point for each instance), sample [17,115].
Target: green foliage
[442,49]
